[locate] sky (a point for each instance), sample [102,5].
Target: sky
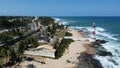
[60,7]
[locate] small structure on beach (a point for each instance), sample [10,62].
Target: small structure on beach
[43,50]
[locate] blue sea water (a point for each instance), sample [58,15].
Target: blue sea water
[108,28]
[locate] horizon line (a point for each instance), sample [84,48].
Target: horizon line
[60,16]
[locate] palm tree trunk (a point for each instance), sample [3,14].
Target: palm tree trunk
[6,59]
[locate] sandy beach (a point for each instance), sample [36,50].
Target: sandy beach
[68,60]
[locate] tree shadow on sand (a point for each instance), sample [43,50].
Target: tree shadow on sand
[31,66]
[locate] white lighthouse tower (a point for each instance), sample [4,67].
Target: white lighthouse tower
[93,32]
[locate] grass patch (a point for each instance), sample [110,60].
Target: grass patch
[60,33]
[61,49]
[41,43]
[68,34]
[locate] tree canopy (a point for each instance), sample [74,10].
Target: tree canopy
[46,20]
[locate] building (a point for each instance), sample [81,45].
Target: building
[33,25]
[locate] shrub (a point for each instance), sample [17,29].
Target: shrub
[68,34]
[61,49]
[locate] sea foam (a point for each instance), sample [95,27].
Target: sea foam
[111,46]
[99,31]
[61,21]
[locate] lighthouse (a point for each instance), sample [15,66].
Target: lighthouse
[93,32]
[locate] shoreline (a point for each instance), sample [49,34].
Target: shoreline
[71,57]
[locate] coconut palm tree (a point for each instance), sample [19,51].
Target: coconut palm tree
[1,60]
[34,42]
[20,50]
[12,54]
[5,52]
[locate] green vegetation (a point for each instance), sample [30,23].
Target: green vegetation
[63,46]
[55,44]
[10,55]
[60,33]
[8,35]
[45,21]
[5,38]
[17,27]
[68,34]
[13,21]
[60,26]
[29,40]
[51,30]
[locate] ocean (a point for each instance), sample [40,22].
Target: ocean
[108,28]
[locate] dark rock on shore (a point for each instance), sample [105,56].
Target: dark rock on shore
[98,42]
[104,53]
[100,50]
[87,61]
[96,46]
[113,61]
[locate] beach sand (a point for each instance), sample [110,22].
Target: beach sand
[68,60]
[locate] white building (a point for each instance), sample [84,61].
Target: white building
[33,25]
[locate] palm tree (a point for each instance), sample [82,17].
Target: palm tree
[5,52]
[1,60]
[35,42]
[12,54]
[20,50]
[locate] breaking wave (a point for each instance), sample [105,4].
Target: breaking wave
[111,46]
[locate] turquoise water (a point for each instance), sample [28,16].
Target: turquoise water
[108,28]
